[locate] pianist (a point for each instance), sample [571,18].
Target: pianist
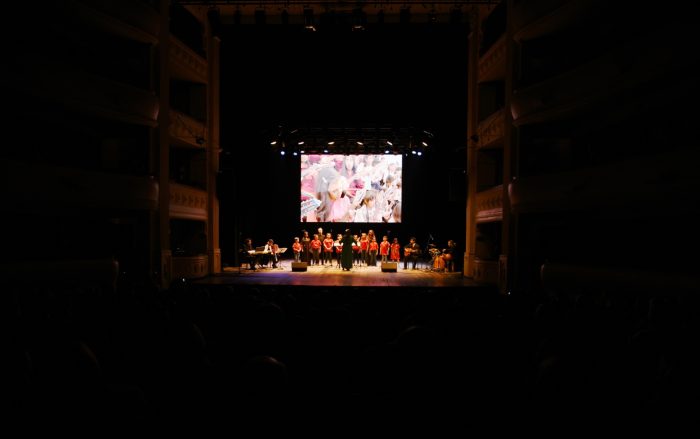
[248,254]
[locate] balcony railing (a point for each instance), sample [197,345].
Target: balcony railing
[185,63]
[492,65]
[187,202]
[489,205]
[129,19]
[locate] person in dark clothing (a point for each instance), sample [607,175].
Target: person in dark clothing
[411,252]
[246,256]
[346,256]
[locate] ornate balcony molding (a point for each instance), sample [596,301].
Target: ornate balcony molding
[185,63]
[489,205]
[492,65]
[46,188]
[492,130]
[187,202]
[190,267]
[88,93]
[623,69]
[532,19]
[185,130]
[667,181]
[129,19]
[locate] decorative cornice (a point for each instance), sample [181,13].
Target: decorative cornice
[492,130]
[47,188]
[489,205]
[492,65]
[134,20]
[187,202]
[666,181]
[96,95]
[186,63]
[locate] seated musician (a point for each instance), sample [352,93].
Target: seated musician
[449,254]
[411,252]
[248,254]
[271,250]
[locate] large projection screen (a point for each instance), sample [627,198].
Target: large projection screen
[361,188]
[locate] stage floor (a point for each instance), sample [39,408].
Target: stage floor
[327,276]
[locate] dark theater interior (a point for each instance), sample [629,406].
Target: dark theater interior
[321,216]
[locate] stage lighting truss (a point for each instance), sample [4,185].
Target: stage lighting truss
[293,141]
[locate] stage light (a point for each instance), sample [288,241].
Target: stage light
[332,142]
[389,143]
[386,151]
[301,142]
[301,152]
[359,19]
[360,143]
[309,19]
[294,153]
[282,152]
[413,152]
[325,151]
[432,17]
[419,153]
[424,144]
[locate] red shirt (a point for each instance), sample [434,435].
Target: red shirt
[395,251]
[384,248]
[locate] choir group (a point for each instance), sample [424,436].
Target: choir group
[367,249]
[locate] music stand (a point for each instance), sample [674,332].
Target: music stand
[280,250]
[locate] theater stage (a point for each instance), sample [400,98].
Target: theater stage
[326,276]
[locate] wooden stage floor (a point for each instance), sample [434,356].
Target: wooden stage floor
[327,276]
